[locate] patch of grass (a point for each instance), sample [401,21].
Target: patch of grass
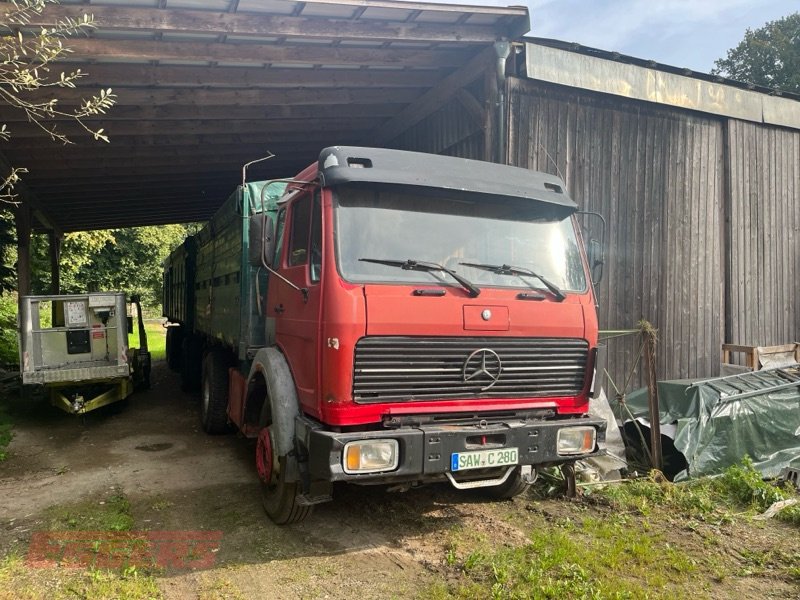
[739,488]
[595,558]
[624,541]
[19,581]
[110,514]
[156,338]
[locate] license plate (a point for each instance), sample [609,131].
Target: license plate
[483,459]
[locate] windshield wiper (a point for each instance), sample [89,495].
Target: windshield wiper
[417,265]
[519,272]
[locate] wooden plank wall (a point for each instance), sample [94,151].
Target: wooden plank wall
[763,220]
[657,177]
[451,130]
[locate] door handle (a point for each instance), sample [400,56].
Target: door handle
[279,309]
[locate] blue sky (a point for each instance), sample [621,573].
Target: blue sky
[681,33]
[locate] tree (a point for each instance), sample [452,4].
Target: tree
[127,260]
[26,65]
[26,68]
[768,56]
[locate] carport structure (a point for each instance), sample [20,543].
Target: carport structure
[204,86]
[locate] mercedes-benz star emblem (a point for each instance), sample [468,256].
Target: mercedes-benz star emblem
[483,365]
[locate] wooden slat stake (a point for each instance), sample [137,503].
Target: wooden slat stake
[649,340]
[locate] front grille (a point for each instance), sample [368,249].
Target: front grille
[419,368]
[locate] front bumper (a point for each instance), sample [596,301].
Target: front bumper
[425,450]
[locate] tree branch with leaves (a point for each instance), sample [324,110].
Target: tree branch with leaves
[28,63]
[768,56]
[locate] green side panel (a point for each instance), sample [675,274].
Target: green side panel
[178,285]
[714,432]
[227,287]
[261,197]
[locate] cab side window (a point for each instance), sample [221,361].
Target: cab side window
[300,224]
[279,228]
[316,238]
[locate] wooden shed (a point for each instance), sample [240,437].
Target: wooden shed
[699,179]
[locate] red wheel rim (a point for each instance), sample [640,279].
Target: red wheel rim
[264,455]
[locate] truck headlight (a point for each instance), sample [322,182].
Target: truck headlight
[371,456]
[576,440]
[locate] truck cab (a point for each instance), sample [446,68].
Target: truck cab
[437,321]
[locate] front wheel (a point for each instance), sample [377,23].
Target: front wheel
[278,496]
[513,486]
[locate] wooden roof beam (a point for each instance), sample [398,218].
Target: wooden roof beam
[149,75]
[223,23]
[166,153]
[279,112]
[233,98]
[259,54]
[155,142]
[190,127]
[435,98]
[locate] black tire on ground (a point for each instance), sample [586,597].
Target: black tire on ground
[174,347]
[214,393]
[513,486]
[191,365]
[278,496]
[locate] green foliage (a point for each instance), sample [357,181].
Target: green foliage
[127,260]
[9,353]
[8,254]
[768,56]
[27,66]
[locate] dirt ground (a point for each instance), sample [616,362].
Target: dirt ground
[366,544]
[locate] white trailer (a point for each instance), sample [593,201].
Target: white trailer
[77,347]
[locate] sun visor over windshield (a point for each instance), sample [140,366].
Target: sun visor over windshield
[346,164]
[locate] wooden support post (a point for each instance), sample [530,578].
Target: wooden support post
[649,341]
[22,220]
[55,260]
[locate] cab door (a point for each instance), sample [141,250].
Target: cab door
[296,314]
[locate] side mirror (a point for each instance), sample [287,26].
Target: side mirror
[261,240]
[596,260]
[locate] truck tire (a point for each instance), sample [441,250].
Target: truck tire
[513,486]
[191,365]
[174,348]
[278,496]
[275,448]
[214,393]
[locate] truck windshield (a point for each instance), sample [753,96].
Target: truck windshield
[402,223]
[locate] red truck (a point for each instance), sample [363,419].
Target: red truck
[391,317]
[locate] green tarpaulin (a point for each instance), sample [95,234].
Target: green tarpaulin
[715,429]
